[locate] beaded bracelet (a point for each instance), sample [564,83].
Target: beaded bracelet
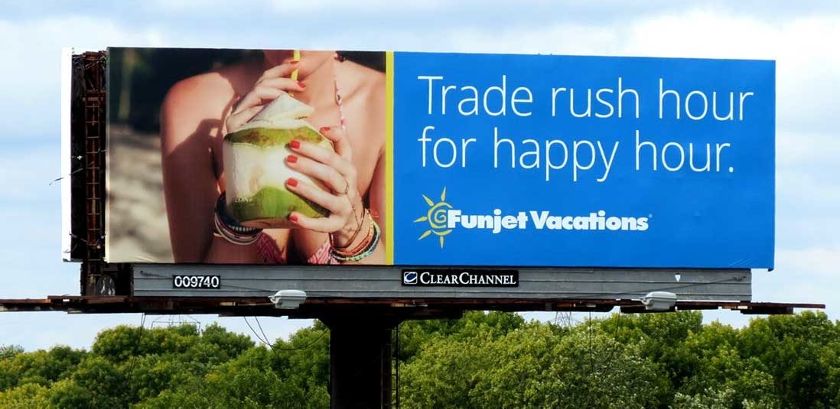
[369,248]
[228,228]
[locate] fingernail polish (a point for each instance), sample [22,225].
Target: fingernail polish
[292,182]
[294,61]
[324,129]
[291,159]
[302,85]
[294,144]
[293,218]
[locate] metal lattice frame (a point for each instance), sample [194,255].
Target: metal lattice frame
[88,138]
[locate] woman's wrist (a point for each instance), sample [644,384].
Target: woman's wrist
[350,232]
[228,228]
[359,249]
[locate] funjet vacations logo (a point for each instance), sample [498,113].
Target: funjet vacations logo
[442,219]
[437,218]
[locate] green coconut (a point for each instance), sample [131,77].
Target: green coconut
[272,137]
[271,205]
[256,169]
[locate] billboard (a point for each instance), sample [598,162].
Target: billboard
[438,159]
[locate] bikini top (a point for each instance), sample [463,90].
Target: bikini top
[271,254]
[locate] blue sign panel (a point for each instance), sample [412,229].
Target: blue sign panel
[529,160]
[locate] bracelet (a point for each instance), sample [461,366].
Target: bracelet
[228,228]
[346,251]
[355,234]
[371,247]
[360,247]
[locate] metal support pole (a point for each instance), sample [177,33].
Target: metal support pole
[360,361]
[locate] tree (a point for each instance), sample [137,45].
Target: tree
[9,351]
[799,352]
[534,366]
[483,360]
[246,382]
[415,334]
[26,396]
[305,361]
[39,367]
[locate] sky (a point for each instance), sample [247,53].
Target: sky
[800,36]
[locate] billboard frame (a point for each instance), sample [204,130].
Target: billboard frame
[84,159]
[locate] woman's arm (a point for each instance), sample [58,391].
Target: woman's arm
[189,180]
[191,127]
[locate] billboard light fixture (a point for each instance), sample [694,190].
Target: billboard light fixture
[659,301]
[288,299]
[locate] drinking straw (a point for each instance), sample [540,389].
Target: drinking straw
[295,57]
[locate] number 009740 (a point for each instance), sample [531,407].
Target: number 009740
[196,281]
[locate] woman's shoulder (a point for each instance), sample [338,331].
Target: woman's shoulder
[209,93]
[205,93]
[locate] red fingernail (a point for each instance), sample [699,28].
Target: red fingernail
[292,182]
[302,85]
[324,129]
[294,144]
[291,159]
[293,218]
[294,61]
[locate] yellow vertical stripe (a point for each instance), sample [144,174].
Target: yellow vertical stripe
[295,57]
[389,157]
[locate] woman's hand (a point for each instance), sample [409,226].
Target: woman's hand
[335,170]
[268,87]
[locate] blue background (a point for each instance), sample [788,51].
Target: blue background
[708,220]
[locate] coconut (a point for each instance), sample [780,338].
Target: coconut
[256,170]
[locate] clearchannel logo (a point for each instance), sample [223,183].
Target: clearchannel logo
[447,277]
[441,219]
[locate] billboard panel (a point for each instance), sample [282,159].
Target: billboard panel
[433,159]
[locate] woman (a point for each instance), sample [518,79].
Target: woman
[349,109]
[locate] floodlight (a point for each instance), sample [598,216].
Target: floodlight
[659,301]
[288,299]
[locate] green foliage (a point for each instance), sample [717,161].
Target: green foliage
[246,382]
[122,342]
[305,361]
[660,337]
[479,361]
[9,351]
[39,367]
[800,353]
[533,366]
[31,395]
[415,334]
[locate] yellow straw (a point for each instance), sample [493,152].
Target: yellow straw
[295,57]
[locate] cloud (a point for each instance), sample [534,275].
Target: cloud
[350,9]
[27,171]
[807,275]
[818,262]
[29,75]
[805,66]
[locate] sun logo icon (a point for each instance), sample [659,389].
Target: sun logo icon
[436,217]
